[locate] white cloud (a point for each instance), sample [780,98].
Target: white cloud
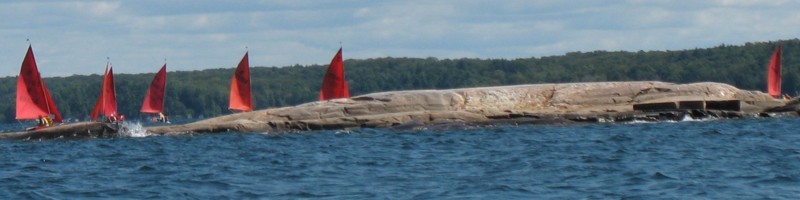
[101,8]
[748,3]
[201,21]
[76,36]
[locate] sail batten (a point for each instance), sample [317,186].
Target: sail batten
[334,85]
[33,99]
[774,74]
[240,95]
[154,99]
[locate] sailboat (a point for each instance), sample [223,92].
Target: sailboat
[33,98]
[334,85]
[240,97]
[154,99]
[774,74]
[107,101]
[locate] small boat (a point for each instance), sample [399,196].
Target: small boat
[240,96]
[334,86]
[34,101]
[107,101]
[774,74]
[154,99]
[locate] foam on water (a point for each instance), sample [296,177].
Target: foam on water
[343,131]
[605,120]
[689,118]
[133,129]
[686,118]
[637,121]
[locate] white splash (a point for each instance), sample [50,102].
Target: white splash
[685,118]
[343,131]
[605,120]
[638,121]
[689,118]
[132,129]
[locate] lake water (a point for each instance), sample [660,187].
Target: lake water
[723,159]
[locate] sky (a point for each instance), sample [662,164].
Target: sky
[80,37]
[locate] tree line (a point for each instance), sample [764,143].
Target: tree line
[204,93]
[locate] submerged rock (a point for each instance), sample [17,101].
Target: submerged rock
[519,104]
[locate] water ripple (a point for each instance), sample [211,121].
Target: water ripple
[721,159]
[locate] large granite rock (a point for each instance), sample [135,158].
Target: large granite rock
[74,130]
[474,105]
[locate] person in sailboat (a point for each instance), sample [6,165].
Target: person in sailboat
[113,118]
[162,118]
[40,123]
[48,122]
[44,121]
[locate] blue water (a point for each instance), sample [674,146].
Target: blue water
[725,159]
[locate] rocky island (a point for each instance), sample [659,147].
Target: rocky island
[562,103]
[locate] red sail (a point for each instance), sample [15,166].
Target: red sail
[51,105]
[774,74]
[334,85]
[107,102]
[33,98]
[240,98]
[154,99]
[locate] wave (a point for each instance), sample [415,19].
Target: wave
[689,118]
[132,129]
[685,118]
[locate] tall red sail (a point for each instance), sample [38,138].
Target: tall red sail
[107,102]
[334,85]
[240,97]
[33,98]
[774,74]
[154,99]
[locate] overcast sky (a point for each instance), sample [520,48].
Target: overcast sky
[76,37]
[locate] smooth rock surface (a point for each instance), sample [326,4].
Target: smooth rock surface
[482,105]
[74,130]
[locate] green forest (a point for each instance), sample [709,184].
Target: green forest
[204,93]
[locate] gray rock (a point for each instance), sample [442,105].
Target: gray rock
[600,101]
[74,130]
